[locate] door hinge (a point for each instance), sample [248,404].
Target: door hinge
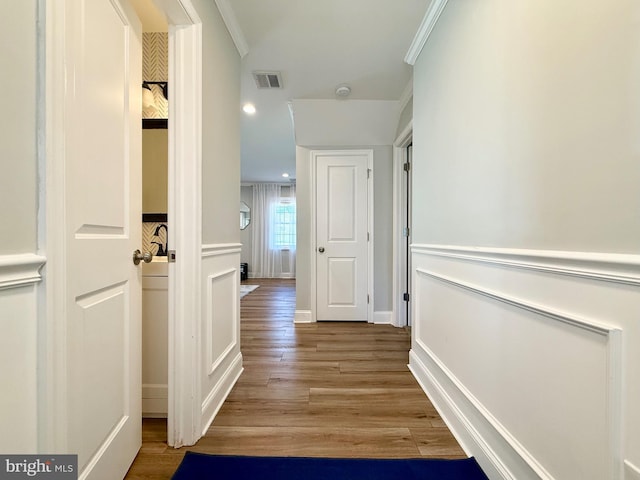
[406,167]
[406,297]
[368,236]
[367,298]
[171,256]
[406,231]
[368,173]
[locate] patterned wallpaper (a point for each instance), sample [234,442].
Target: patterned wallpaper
[149,230]
[155,68]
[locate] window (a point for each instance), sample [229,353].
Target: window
[284,225]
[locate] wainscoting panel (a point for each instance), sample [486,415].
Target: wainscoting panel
[220,330]
[18,355]
[523,354]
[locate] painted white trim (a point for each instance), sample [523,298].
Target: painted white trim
[609,267]
[185,214]
[20,270]
[383,318]
[429,21]
[399,271]
[230,20]
[560,316]
[631,472]
[370,216]
[303,316]
[217,249]
[154,400]
[235,314]
[220,392]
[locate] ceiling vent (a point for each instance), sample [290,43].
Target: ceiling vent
[268,79]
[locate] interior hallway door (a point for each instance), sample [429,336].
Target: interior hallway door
[342,236]
[102,228]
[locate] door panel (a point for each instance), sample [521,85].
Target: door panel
[342,223]
[103,227]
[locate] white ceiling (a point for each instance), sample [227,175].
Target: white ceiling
[316,45]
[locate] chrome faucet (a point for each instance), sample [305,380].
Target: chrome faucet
[162,247]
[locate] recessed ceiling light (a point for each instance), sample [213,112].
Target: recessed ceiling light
[249,108]
[343,91]
[285,175]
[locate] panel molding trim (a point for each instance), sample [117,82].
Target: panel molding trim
[214,363]
[20,270]
[212,404]
[218,249]
[608,267]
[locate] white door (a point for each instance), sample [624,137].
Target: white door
[341,236]
[102,222]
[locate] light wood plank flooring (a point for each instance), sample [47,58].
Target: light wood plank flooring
[328,389]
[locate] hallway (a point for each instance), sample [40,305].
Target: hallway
[326,389]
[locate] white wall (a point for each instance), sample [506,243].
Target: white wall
[18,237]
[526,234]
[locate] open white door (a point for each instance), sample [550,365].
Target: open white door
[102,227]
[342,243]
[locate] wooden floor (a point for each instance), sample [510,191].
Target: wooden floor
[326,389]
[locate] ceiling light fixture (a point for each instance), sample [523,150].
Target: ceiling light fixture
[285,175]
[249,108]
[343,91]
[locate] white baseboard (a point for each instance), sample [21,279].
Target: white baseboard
[383,318]
[303,316]
[155,400]
[480,435]
[218,395]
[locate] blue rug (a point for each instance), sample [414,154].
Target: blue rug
[197,466]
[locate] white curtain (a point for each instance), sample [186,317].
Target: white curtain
[268,260]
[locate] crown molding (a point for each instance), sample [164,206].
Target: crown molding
[230,20]
[429,21]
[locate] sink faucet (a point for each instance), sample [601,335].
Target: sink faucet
[162,248]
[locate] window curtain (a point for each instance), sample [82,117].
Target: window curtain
[268,262]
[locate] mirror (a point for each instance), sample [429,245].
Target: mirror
[245,215]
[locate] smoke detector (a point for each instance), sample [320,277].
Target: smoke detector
[343,91]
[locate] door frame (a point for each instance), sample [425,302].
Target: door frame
[184,212]
[314,246]
[403,140]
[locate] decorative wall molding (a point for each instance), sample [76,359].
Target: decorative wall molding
[609,267]
[570,319]
[233,26]
[303,316]
[217,249]
[472,416]
[212,404]
[499,454]
[429,21]
[230,275]
[20,270]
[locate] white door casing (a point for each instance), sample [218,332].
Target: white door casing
[93,130]
[342,246]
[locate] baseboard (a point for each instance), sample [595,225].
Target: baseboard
[155,400]
[480,435]
[218,395]
[303,316]
[383,318]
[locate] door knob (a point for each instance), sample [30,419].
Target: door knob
[138,256]
[321,249]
